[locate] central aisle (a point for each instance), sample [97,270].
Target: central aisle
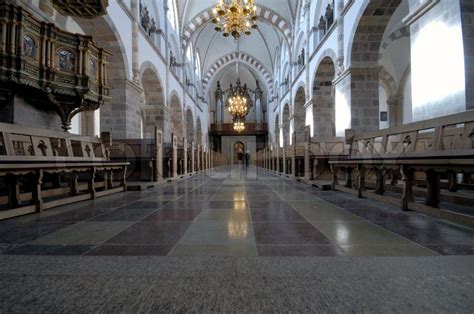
[232,211]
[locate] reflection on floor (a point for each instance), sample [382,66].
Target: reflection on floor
[233,212]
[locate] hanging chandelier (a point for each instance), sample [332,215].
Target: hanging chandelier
[234,17]
[239,125]
[238,105]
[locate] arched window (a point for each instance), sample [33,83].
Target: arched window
[173,14]
[189,53]
[197,65]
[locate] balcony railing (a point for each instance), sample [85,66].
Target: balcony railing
[228,129]
[50,67]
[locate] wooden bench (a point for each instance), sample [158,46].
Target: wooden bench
[320,151]
[41,169]
[428,151]
[144,155]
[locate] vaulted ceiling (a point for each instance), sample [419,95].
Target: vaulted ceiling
[275,24]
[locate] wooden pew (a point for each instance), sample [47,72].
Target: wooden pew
[427,150]
[144,156]
[320,151]
[41,169]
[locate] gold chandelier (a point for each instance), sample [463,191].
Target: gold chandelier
[239,124]
[233,17]
[238,105]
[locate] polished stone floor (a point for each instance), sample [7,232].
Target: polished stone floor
[233,212]
[234,240]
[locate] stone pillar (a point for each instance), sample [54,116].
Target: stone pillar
[467,20]
[175,157]
[158,164]
[283,153]
[185,156]
[193,156]
[135,49]
[395,113]
[198,157]
[340,37]
[358,91]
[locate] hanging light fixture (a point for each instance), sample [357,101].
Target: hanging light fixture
[238,100]
[238,105]
[234,17]
[239,125]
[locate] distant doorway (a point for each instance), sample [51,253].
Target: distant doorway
[239,152]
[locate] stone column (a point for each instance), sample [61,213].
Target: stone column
[467,20]
[198,157]
[395,107]
[192,157]
[358,89]
[185,157]
[135,49]
[158,176]
[340,37]
[175,157]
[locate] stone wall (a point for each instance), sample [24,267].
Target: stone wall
[437,58]
[18,111]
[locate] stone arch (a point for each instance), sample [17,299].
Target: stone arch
[366,39]
[264,14]
[174,118]
[105,35]
[394,36]
[154,109]
[286,116]
[388,82]
[299,113]
[198,131]
[241,57]
[363,57]
[324,99]
[189,125]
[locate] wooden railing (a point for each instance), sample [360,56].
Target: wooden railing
[228,129]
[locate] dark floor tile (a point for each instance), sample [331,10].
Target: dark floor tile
[273,205]
[75,215]
[272,214]
[288,233]
[123,214]
[185,205]
[430,233]
[131,250]
[375,214]
[227,204]
[147,204]
[455,249]
[65,250]
[29,232]
[156,233]
[174,215]
[299,250]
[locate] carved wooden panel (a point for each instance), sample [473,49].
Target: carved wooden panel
[49,66]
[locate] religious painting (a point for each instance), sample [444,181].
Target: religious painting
[67,60]
[29,47]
